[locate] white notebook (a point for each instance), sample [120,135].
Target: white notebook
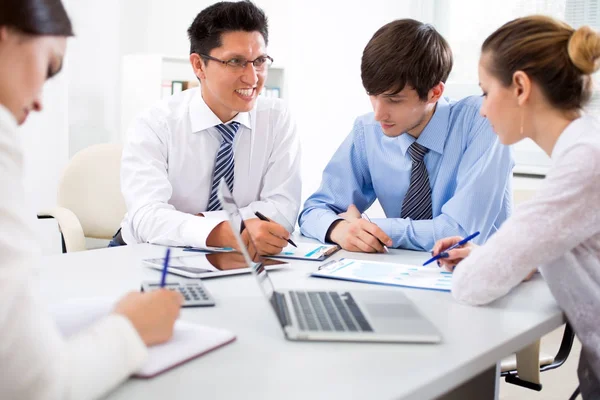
[189,340]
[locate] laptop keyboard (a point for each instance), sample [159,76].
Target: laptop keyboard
[328,311]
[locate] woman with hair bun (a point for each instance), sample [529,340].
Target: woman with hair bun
[37,361]
[535,73]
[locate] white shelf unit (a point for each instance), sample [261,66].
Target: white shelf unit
[142,76]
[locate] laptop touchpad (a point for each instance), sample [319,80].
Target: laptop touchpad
[392,310]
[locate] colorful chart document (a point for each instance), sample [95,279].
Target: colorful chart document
[386,273]
[308,251]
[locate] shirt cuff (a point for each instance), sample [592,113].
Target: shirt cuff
[195,230]
[317,224]
[247,213]
[391,227]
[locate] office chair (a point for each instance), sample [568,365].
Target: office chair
[89,203]
[529,364]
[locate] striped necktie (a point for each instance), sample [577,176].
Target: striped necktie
[417,202]
[224,164]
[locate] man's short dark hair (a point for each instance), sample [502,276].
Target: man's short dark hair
[225,16]
[405,52]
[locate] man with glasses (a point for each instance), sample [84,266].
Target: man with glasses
[178,151]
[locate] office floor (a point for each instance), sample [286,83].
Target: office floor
[558,384]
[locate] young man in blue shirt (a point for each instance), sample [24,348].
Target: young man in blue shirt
[436,166]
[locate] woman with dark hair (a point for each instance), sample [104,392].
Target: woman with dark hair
[535,73]
[37,362]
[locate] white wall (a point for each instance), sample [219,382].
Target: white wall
[94,77]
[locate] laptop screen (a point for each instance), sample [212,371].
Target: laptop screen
[253,260]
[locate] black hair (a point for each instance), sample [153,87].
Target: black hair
[36,17]
[225,16]
[405,52]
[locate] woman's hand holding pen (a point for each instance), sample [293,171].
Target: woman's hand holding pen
[451,258]
[152,314]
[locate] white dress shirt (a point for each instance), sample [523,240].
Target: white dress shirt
[168,162]
[37,362]
[558,231]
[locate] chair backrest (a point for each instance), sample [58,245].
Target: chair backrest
[90,187]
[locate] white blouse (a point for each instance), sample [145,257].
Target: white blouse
[558,231]
[37,362]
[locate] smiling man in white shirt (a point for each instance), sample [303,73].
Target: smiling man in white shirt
[179,150]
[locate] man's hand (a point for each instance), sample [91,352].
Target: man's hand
[351,214]
[356,234]
[268,236]
[222,236]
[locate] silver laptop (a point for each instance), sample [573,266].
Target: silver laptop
[358,316]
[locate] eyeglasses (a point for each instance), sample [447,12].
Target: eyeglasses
[238,64]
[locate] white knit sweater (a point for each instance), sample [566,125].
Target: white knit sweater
[37,362]
[557,231]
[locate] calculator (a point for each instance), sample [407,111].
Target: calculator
[194,294]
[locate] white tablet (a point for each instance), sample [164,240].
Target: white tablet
[209,265]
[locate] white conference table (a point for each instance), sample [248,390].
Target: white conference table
[262,364]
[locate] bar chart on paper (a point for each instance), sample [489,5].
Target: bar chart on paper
[308,251]
[384,273]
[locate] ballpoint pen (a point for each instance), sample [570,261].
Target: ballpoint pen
[163,278]
[462,242]
[385,249]
[263,218]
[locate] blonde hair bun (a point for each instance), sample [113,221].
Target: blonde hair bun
[584,49]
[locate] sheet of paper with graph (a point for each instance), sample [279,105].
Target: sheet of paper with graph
[386,273]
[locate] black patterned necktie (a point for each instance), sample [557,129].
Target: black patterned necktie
[224,164]
[417,202]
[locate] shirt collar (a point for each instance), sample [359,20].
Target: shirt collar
[569,136]
[202,117]
[435,132]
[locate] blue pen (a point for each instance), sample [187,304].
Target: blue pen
[163,278]
[462,242]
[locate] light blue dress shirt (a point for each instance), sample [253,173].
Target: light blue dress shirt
[469,173]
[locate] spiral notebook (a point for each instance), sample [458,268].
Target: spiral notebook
[189,340]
